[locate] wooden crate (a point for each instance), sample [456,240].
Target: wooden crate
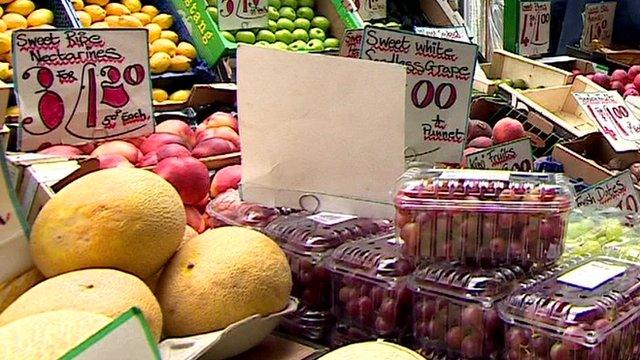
[506,65]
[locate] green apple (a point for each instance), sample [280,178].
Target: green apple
[332,43]
[305,13]
[266,35]
[285,24]
[246,37]
[263,44]
[308,3]
[213,12]
[213,3]
[298,46]
[287,13]
[303,24]
[273,13]
[273,26]
[290,3]
[317,33]
[300,34]
[315,45]
[229,36]
[284,36]
[279,45]
[275,3]
[321,22]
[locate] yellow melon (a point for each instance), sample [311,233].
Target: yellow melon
[372,350]
[122,218]
[152,282]
[48,335]
[220,277]
[12,289]
[101,291]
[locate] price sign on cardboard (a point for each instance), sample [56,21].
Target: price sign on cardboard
[439,79]
[534,26]
[616,191]
[514,156]
[351,43]
[243,14]
[597,23]
[75,86]
[614,119]
[371,9]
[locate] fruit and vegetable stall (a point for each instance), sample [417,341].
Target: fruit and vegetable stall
[319,179]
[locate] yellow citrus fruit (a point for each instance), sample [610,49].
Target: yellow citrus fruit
[144,18]
[77,4]
[163,45]
[98,2]
[100,25]
[150,10]
[3,26]
[84,17]
[170,35]
[159,95]
[128,21]
[97,12]
[135,228]
[14,21]
[5,43]
[40,17]
[133,5]
[164,20]
[154,31]
[1,11]
[2,2]
[7,57]
[22,7]
[180,63]
[116,9]
[6,73]
[111,20]
[159,62]
[186,49]
[13,110]
[180,95]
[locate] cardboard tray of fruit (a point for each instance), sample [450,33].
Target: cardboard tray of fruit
[231,341]
[213,45]
[518,72]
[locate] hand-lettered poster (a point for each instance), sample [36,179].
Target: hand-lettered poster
[76,86]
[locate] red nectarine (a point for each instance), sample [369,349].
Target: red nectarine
[226,178]
[180,128]
[157,140]
[124,148]
[507,129]
[62,150]
[212,147]
[188,175]
[172,150]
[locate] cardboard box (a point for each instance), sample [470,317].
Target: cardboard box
[18,162]
[585,158]
[506,65]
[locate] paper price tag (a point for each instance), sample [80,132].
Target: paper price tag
[81,85]
[592,274]
[327,218]
[243,14]
[456,33]
[616,191]
[514,156]
[534,26]
[438,92]
[597,21]
[371,9]
[351,43]
[614,119]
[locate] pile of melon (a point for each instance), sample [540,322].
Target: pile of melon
[115,239]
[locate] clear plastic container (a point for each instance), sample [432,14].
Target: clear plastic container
[590,311]
[368,283]
[483,217]
[454,308]
[308,324]
[341,335]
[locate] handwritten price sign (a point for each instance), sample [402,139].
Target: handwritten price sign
[616,191]
[614,119]
[371,9]
[597,21]
[534,27]
[351,43]
[514,156]
[439,78]
[243,14]
[457,33]
[75,86]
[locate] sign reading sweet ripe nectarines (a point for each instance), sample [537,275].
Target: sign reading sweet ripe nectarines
[76,86]
[439,80]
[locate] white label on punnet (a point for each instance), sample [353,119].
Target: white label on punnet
[592,274]
[327,218]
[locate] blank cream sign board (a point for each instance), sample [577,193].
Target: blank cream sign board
[328,126]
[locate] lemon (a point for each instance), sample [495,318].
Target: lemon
[159,95]
[163,45]
[14,21]
[77,4]
[180,95]
[144,18]
[84,17]
[98,2]
[2,2]
[116,9]
[22,7]
[170,35]
[5,43]
[40,17]
[133,5]
[13,110]
[180,63]
[3,26]
[159,62]
[111,20]
[154,31]
[96,12]
[150,10]
[164,20]
[6,73]
[100,25]
[186,49]
[1,11]
[7,57]
[127,21]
